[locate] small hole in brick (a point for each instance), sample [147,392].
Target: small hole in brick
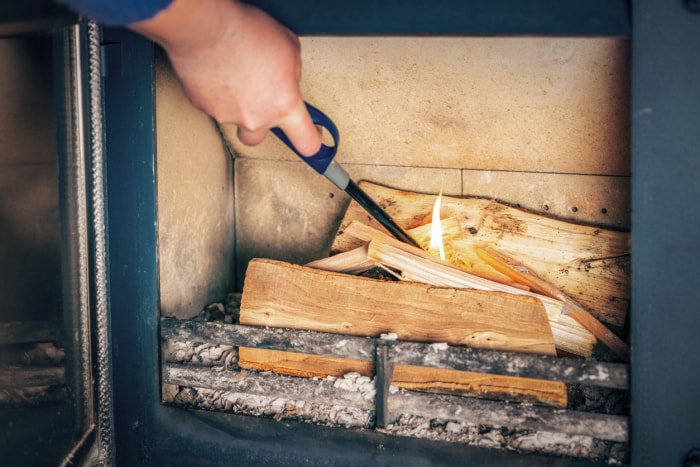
[604,210]
[472,230]
[331,195]
[545,207]
[574,209]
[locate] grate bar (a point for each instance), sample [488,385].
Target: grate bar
[568,370]
[384,373]
[20,332]
[14,377]
[429,406]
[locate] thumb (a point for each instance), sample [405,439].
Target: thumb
[301,131]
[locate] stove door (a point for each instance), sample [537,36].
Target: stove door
[47,406]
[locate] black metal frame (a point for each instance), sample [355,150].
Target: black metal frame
[665,319]
[665,163]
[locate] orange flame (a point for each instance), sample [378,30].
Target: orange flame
[436,230]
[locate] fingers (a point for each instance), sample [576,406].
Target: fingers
[299,128]
[301,131]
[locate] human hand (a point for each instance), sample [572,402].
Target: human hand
[238,65]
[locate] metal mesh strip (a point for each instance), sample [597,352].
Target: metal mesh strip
[105,409]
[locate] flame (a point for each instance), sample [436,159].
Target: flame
[436,229]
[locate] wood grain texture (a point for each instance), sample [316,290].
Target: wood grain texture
[569,337]
[520,273]
[280,294]
[588,263]
[438,380]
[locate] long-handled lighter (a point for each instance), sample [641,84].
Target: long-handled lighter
[323,163]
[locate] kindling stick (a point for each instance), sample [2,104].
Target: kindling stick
[523,275]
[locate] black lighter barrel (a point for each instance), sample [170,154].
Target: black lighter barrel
[376,211]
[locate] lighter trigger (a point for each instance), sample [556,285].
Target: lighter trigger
[323,158]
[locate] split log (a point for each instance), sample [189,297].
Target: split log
[586,262]
[438,380]
[355,261]
[350,262]
[525,276]
[416,264]
[279,294]
[569,336]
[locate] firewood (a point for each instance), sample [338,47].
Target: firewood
[524,275]
[514,389]
[355,261]
[283,295]
[279,294]
[569,336]
[590,263]
[457,252]
[350,262]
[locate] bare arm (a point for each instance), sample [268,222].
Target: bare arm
[237,64]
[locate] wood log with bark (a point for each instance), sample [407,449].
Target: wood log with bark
[589,263]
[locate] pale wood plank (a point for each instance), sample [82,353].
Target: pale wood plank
[569,336]
[523,275]
[589,263]
[515,389]
[284,295]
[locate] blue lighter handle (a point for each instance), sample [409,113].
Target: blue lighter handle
[323,158]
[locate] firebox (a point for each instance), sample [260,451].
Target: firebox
[581,112]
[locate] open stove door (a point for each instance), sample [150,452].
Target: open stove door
[48,389]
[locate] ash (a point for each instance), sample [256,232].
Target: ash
[360,392]
[510,439]
[30,356]
[280,408]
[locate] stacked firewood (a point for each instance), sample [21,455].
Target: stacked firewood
[506,283]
